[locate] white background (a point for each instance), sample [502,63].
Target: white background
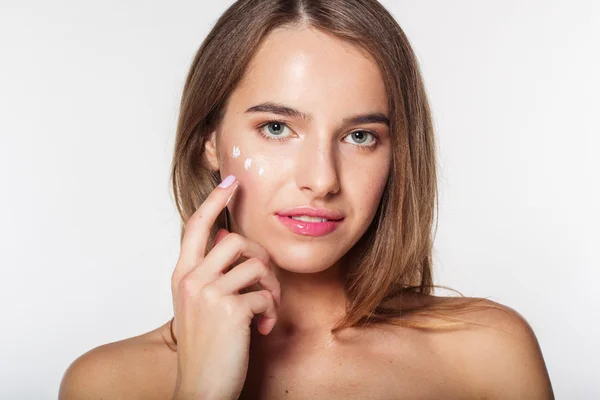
[89,95]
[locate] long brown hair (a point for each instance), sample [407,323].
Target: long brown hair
[394,257]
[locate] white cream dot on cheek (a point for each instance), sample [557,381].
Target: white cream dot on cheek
[247,163]
[236,152]
[261,171]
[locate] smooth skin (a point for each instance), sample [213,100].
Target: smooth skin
[293,283]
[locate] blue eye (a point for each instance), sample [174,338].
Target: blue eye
[275,129]
[361,137]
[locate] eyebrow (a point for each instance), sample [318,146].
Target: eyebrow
[281,109]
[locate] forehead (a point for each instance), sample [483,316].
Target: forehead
[307,68]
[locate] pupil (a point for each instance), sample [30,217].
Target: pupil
[360,136]
[276,127]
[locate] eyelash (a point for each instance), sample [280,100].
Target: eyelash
[369,147]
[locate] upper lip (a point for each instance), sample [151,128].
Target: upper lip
[311,212]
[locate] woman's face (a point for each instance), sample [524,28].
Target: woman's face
[322,160]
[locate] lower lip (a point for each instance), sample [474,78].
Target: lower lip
[309,228]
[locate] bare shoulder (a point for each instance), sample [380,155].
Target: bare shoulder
[133,368]
[500,353]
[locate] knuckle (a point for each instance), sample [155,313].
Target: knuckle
[266,294]
[174,280]
[231,307]
[194,221]
[187,287]
[210,294]
[196,217]
[236,239]
[258,267]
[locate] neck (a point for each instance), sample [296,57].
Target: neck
[311,303]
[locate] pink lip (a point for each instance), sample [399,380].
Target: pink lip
[309,228]
[312,212]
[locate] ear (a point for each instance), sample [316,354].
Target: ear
[211,153]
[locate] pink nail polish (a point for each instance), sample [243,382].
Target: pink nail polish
[227,181]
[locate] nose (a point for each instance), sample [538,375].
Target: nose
[316,169]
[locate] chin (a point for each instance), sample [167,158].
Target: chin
[304,258]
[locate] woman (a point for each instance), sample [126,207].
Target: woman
[314,116]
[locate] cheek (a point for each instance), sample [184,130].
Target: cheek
[255,173]
[253,201]
[244,164]
[367,185]
[230,160]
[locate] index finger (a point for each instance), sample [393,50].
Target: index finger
[197,228]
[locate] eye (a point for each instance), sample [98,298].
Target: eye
[362,137]
[274,130]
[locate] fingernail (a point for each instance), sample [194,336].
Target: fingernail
[227,181]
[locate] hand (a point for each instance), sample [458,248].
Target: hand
[212,318]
